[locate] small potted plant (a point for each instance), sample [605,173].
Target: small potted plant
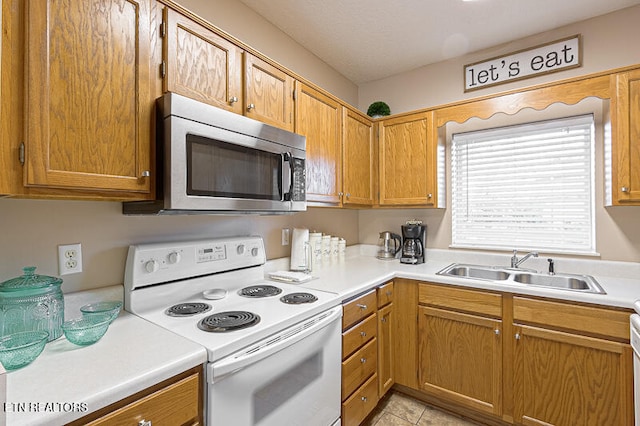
[378,109]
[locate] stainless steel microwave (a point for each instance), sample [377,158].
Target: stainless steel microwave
[215,161]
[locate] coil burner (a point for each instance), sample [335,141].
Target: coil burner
[228,321]
[298,298]
[187,309]
[260,291]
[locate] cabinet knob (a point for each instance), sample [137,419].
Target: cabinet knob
[429,195]
[250,107]
[364,399]
[624,189]
[383,319]
[146,173]
[497,332]
[363,334]
[348,195]
[517,336]
[363,307]
[233,100]
[340,194]
[363,360]
[144,422]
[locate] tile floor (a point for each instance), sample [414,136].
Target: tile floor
[397,409]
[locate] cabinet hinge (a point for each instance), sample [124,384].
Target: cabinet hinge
[163,69]
[21,153]
[163,29]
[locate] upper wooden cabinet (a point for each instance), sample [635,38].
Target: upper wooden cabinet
[408,173]
[624,176]
[359,163]
[319,118]
[268,93]
[200,64]
[88,95]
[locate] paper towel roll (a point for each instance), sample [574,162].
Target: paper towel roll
[300,260]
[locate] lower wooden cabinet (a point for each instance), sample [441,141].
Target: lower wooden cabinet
[502,358]
[359,358]
[386,338]
[176,401]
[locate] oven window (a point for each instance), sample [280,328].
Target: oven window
[222,169]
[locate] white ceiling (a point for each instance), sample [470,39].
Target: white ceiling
[367,40]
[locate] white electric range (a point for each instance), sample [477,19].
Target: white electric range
[274,349]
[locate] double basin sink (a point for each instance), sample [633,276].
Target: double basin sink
[582,283]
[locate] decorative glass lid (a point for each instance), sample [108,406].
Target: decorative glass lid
[30,280]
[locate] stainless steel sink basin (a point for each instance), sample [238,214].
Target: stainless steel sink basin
[563,281]
[583,283]
[470,271]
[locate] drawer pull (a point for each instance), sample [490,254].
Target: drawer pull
[144,422]
[364,399]
[363,307]
[625,189]
[517,336]
[363,360]
[497,332]
[363,334]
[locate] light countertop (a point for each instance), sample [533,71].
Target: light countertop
[67,381]
[360,270]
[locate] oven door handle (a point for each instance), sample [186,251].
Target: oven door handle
[273,344]
[287,176]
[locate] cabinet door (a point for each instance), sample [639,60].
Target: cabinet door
[567,379]
[460,358]
[386,341]
[88,100]
[202,65]
[358,162]
[407,175]
[319,118]
[268,93]
[626,140]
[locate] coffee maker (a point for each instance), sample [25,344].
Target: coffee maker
[414,238]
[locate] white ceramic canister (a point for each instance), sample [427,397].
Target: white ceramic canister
[326,248]
[334,247]
[342,248]
[315,241]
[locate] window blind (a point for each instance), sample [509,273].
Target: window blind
[528,186]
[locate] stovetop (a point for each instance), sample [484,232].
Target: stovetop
[155,282]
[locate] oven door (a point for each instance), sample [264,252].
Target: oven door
[291,378]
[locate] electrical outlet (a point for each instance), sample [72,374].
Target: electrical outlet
[70,259]
[285,236]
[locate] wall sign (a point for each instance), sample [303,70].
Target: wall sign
[544,59]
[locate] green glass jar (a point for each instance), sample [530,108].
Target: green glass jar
[31,302]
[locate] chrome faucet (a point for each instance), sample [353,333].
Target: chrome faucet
[515,262]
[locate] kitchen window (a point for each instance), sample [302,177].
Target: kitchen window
[528,186]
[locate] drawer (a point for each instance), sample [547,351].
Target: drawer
[361,403]
[592,320]
[358,367]
[359,308]
[176,404]
[460,299]
[358,335]
[385,294]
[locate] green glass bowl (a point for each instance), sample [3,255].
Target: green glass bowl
[20,349]
[87,330]
[111,308]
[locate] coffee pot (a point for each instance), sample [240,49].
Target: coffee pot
[414,235]
[389,244]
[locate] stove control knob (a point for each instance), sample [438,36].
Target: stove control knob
[174,257]
[151,266]
[254,251]
[240,249]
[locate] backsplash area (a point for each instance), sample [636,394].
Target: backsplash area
[32,230]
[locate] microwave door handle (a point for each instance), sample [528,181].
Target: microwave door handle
[287,176]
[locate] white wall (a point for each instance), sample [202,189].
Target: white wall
[609,41]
